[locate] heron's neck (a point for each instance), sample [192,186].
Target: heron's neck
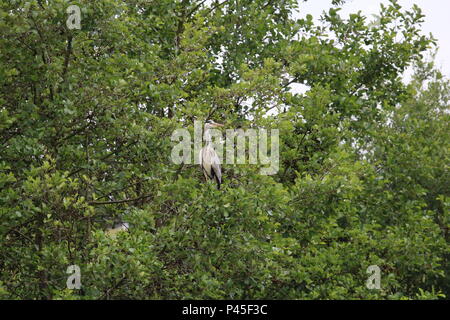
[207,136]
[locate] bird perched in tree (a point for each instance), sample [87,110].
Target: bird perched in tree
[120,227]
[209,160]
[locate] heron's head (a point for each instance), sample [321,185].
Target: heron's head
[210,124]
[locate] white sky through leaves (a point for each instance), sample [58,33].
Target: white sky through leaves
[437,19]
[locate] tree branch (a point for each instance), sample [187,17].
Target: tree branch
[119,201]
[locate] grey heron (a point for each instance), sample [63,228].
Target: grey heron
[209,160]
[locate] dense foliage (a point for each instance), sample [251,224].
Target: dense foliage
[86,118]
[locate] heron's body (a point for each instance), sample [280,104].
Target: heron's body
[209,160]
[211,164]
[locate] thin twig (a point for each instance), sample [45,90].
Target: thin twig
[119,201]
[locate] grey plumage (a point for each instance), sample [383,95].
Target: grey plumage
[209,160]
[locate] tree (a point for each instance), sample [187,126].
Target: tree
[86,118]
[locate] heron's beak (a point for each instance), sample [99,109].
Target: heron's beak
[218,124]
